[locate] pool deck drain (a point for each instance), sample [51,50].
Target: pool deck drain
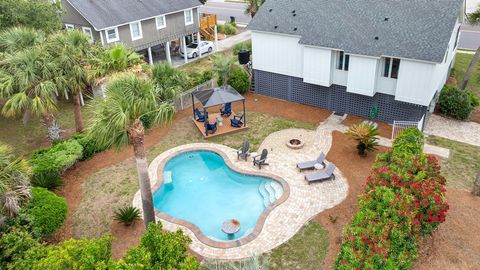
[284,221]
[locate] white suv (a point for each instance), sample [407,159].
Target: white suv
[193,50]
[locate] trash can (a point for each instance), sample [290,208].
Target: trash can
[232,19]
[243,56]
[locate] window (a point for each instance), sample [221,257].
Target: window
[343,60]
[88,32]
[136,30]
[160,21]
[112,35]
[69,26]
[188,16]
[391,67]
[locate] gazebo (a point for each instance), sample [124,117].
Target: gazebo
[215,97]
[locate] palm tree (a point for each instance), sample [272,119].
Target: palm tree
[14,182]
[222,66]
[116,122]
[117,58]
[72,50]
[474,19]
[366,136]
[29,82]
[18,38]
[253,6]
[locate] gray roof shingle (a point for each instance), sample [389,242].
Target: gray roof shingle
[415,29]
[107,13]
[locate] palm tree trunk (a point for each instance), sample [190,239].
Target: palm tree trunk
[136,135]
[470,69]
[77,111]
[53,129]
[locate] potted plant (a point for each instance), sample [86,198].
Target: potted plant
[366,137]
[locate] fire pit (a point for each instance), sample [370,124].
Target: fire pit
[295,143]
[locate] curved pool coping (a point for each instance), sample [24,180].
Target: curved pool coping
[196,231]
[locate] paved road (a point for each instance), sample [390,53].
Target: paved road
[224,10]
[469,37]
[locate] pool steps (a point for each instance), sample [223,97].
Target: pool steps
[270,191]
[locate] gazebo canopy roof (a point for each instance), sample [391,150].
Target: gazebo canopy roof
[217,96]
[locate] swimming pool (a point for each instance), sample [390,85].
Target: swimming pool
[205,191]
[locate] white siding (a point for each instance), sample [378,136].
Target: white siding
[277,53]
[317,66]
[414,83]
[362,74]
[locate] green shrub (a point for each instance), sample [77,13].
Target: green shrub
[239,80]
[474,99]
[408,143]
[160,249]
[221,28]
[78,254]
[45,211]
[455,103]
[229,29]
[242,45]
[48,164]
[404,199]
[13,246]
[90,147]
[127,215]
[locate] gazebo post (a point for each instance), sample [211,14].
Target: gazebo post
[206,121]
[244,114]
[193,105]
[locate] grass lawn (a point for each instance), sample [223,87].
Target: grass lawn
[462,166]
[24,139]
[114,187]
[306,250]
[461,63]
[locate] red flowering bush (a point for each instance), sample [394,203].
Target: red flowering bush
[404,199]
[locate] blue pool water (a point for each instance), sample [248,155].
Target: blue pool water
[206,192]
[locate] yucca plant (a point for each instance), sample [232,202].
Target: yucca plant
[366,137]
[127,215]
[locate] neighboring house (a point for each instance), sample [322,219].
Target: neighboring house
[350,56]
[148,26]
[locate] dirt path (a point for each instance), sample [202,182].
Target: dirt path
[355,169]
[456,243]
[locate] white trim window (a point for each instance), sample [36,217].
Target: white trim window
[343,61]
[88,32]
[136,30]
[112,35]
[188,16]
[69,26]
[160,22]
[391,67]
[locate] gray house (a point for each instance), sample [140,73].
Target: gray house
[155,28]
[357,56]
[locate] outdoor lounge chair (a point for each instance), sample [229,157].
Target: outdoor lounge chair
[321,175]
[200,117]
[244,152]
[226,110]
[236,121]
[307,165]
[261,160]
[211,128]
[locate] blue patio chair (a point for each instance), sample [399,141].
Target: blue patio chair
[226,110]
[211,128]
[200,117]
[236,121]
